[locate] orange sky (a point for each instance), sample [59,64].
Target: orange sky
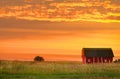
[57,27]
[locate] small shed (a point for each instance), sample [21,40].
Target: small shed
[97,55]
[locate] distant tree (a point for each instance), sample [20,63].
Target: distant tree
[38,58]
[117,61]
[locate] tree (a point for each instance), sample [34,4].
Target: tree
[117,61]
[38,58]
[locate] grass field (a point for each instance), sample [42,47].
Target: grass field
[53,70]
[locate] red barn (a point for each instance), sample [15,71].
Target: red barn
[97,55]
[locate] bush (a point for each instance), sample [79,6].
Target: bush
[38,58]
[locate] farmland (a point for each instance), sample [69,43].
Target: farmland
[53,70]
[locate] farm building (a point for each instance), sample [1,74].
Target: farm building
[97,55]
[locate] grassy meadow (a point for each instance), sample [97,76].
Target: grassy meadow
[53,70]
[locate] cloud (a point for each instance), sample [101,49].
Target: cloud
[61,10]
[12,28]
[13,23]
[114,17]
[31,34]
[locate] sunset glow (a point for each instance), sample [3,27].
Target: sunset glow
[59,28]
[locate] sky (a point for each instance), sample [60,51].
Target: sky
[57,29]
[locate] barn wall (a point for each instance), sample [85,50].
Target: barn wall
[89,60]
[83,57]
[97,60]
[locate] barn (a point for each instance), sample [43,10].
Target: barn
[97,55]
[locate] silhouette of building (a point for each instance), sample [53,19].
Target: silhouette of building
[97,55]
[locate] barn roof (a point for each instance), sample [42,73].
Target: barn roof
[98,52]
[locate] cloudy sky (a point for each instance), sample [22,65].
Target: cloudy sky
[58,27]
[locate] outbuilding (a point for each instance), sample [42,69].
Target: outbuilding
[97,55]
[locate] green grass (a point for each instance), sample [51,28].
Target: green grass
[17,69]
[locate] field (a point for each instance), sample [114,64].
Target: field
[53,70]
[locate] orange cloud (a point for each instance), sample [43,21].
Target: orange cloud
[69,11]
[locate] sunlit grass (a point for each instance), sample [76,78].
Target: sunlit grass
[17,69]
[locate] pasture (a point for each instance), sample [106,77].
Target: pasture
[53,70]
